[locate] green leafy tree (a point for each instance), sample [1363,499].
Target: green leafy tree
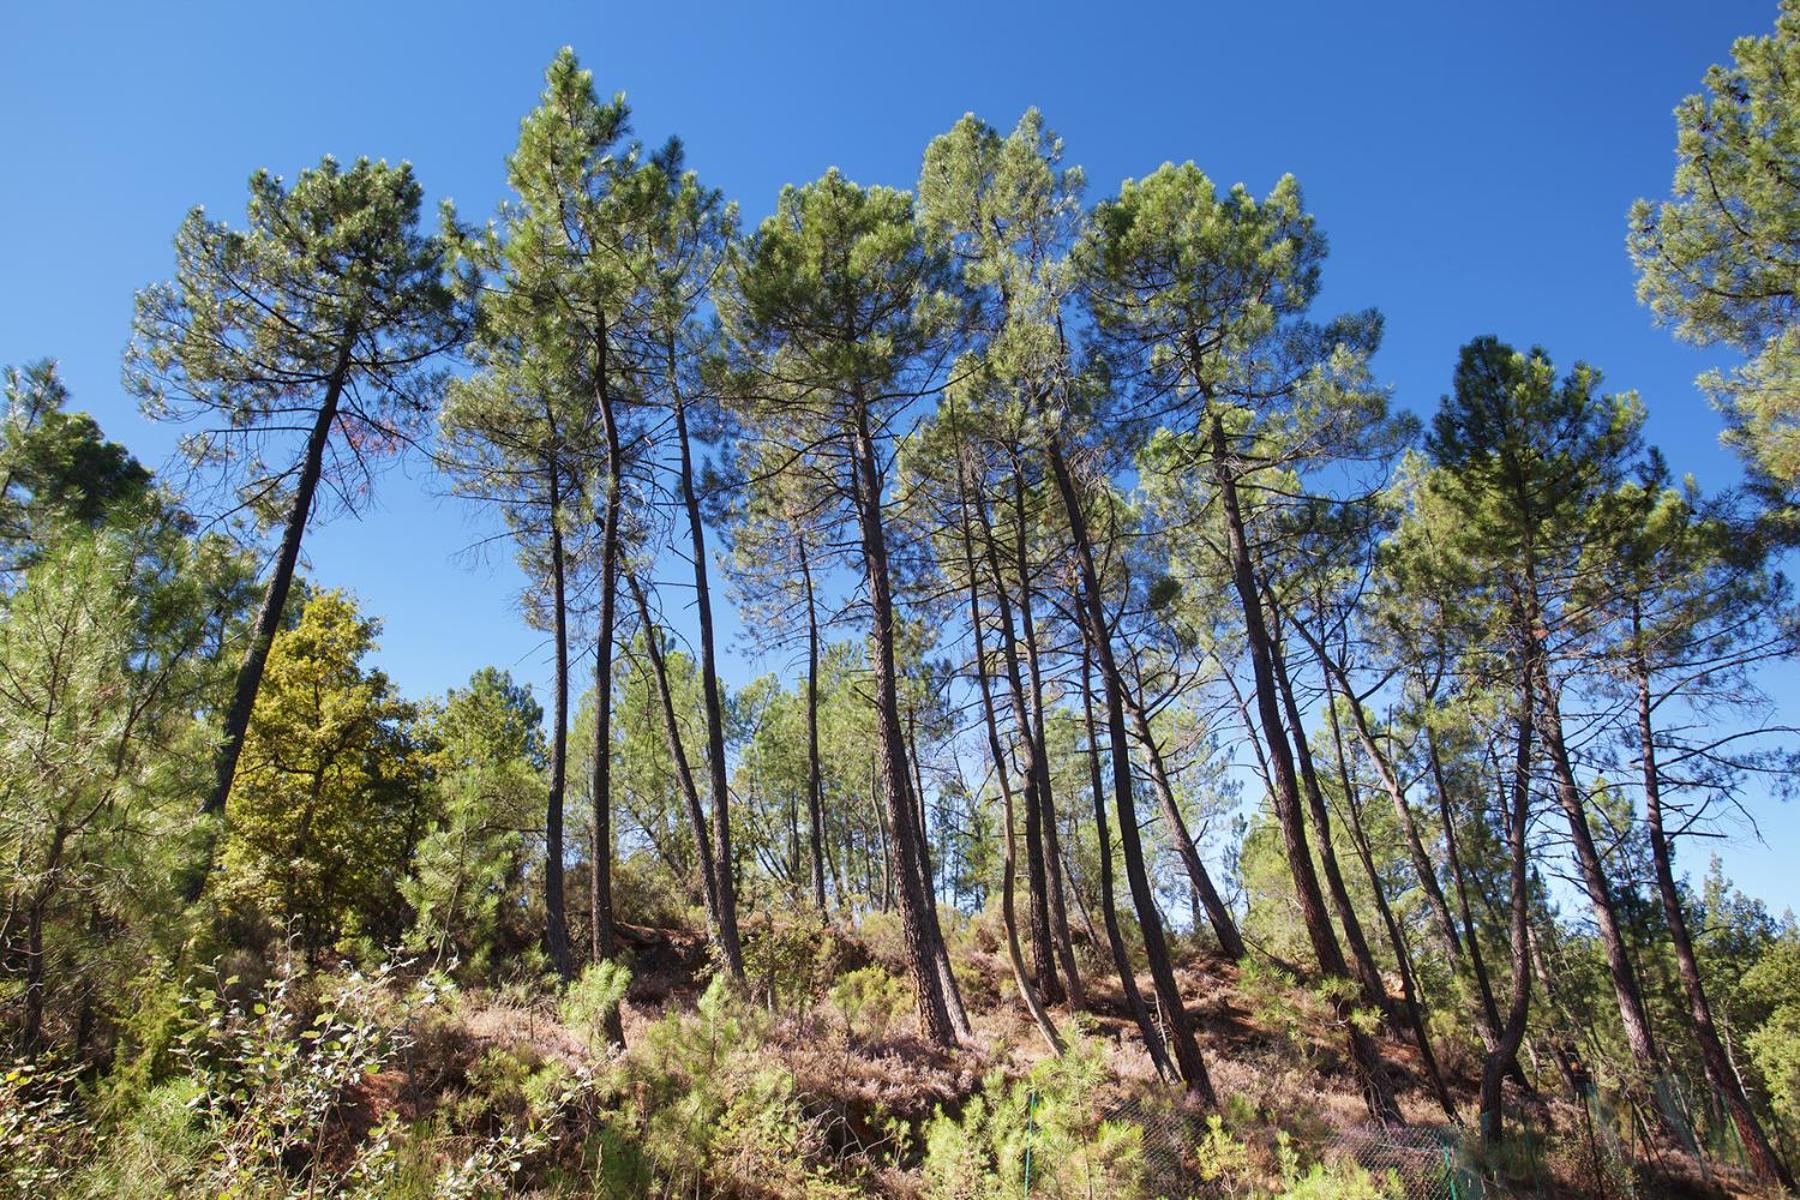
[332,794]
[56,468]
[105,657]
[487,762]
[1202,299]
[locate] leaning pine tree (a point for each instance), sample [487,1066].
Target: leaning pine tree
[303,346]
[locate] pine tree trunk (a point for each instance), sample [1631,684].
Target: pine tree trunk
[1632,1015]
[684,774]
[815,802]
[1162,971]
[1413,1004]
[281,579]
[1487,1015]
[729,945]
[556,933]
[918,916]
[1009,854]
[1504,1052]
[1713,1060]
[600,874]
[1390,783]
[959,1016]
[1210,902]
[1058,912]
[1038,909]
[1374,989]
[1109,909]
[1377,1090]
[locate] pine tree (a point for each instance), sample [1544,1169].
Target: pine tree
[324,314]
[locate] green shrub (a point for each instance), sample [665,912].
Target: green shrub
[42,1130]
[589,1004]
[869,999]
[1047,1124]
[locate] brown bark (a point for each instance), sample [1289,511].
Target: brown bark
[684,774]
[918,916]
[1162,972]
[1488,1014]
[1058,912]
[281,579]
[723,865]
[1002,773]
[815,807]
[1109,910]
[1377,1090]
[1035,769]
[1632,1015]
[1505,1049]
[600,912]
[1374,989]
[1713,1059]
[556,932]
[1211,903]
[1412,1003]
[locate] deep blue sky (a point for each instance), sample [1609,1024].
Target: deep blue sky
[1471,164]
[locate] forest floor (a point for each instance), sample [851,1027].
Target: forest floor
[869,1089]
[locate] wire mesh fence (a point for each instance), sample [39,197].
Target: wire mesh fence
[1185,1158]
[1607,1144]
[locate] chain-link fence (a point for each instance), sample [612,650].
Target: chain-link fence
[1186,1159]
[1606,1145]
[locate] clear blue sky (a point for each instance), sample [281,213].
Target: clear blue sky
[1471,164]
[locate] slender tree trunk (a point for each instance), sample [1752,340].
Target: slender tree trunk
[815,805]
[281,579]
[1487,1015]
[1512,1033]
[1042,951]
[1712,1053]
[1409,991]
[729,944]
[1162,971]
[1632,1015]
[1009,855]
[1390,783]
[600,874]
[959,1016]
[684,774]
[1217,915]
[1374,989]
[918,916]
[1109,909]
[1377,1090]
[1058,912]
[556,933]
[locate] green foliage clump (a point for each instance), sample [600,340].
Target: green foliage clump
[330,794]
[589,1004]
[869,999]
[468,870]
[710,1113]
[41,1130]
[790,961]
[1046,1124]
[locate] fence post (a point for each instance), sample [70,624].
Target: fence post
[1030,1131]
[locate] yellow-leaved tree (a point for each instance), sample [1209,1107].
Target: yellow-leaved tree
[330,798]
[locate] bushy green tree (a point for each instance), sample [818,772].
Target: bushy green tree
[332,789]
[1716,259]
[104,662]
[488,762]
